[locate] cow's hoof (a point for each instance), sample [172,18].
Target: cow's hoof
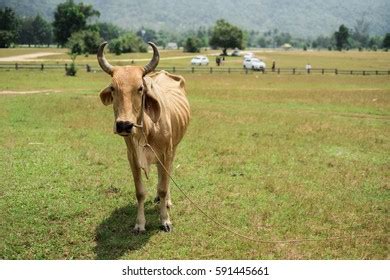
[138,230]
[167,227]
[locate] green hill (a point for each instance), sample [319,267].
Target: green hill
[298,17]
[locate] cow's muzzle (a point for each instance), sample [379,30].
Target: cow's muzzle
[123,128]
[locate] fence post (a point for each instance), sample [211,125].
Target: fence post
[88,68]
[278,70]
[42,67]
[229,70]
[16,66]
[323,71]
[336,72]
[376,72]
[351,72]
[246,70]
[192,69]
[211,70]
[66,66]
[364,73]
[173,69]
[294,71]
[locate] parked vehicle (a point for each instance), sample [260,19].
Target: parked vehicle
[235,53]
[254,64]
[200,60]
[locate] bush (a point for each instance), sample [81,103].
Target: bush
[84,42]
[192,44]
[386,41]
[92,41]
[71,70]
[127,43]
[116,47]
[76,43]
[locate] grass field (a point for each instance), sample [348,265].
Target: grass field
[348,60]
[273,157]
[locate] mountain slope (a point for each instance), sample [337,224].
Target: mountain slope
[299,17]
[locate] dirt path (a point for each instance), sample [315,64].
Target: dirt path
[22,92]
[26,57]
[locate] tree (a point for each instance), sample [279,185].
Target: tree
[322,42]
[226,35]
[43,32]
[202,35]
[282,38]
[375,42]
[69,18]
[8,27]
[35,31]
[162,38]
[193,44]
[26,32]
[262,42]
[84,42]
[386,41]
[147,35]
[127,43]
[361,33]
[109,31]
[342,37]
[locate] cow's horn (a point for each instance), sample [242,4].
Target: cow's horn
[155,59]
[107,67]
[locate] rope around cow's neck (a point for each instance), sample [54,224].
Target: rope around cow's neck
[141,115]
[216,222]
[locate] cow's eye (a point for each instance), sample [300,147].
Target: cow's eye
[141,88]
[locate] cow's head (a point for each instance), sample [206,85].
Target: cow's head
[126,92]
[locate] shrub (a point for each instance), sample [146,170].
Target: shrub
[84,42]
[71,70]
[192,44]
[127,43]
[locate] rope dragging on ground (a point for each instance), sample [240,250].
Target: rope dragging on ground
[211,219]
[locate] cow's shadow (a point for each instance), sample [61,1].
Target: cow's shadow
[114,235]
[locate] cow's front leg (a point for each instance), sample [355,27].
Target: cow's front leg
[140,194]
[163,194]
[168,199]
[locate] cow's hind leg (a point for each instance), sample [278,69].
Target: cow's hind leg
[140,194]
[163,195]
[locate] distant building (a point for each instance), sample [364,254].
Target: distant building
[286,47]
[171,46]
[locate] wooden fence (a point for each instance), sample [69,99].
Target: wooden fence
[203,69]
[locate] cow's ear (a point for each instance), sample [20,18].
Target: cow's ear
[152,104]
[106,95]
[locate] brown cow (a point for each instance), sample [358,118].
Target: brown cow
[149,109]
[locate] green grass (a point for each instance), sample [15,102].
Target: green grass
[348,60]
[273,157]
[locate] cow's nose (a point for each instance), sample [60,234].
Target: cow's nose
[123,127]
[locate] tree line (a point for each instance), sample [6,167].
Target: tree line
[76,26]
